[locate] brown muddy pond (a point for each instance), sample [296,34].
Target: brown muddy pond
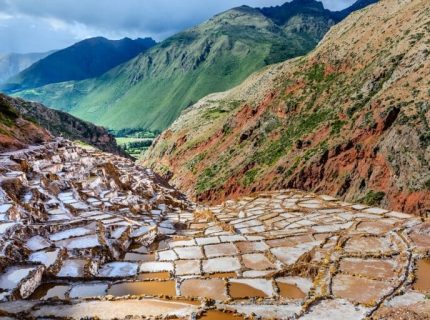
[241,290]
[422,274]
[223,275]
[219,315]
[151,288]
[290,291]
[131,256]
[50,290]
[154,275]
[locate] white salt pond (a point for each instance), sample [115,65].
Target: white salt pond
[13,276]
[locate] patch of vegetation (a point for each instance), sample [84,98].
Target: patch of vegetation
[291,169]
[191,165]
[291,104]
[368,121]
[357,106]
[297,128]
[134,142]
[205,179]
[316,73]
[212,114]
[377,86]
[249,177]
[135,133]
[336,126]
[372,198]
[271,123]
[134,147]
[233,104]
[7,113]
[215,174]
[163,169]
[425,136]
[83,144]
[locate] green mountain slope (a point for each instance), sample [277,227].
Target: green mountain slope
[86,59]
[151,90]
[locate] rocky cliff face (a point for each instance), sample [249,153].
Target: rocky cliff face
[351,119]
[33,115]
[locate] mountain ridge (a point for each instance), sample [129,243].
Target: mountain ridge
[24,123]
[78,62]
[152,89]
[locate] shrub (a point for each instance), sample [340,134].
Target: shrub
[373,198]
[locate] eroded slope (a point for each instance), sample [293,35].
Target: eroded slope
[17,132]
[350,119]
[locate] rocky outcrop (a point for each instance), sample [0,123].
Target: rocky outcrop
[350,119]
[17,132]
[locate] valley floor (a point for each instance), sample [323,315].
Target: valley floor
[89,234]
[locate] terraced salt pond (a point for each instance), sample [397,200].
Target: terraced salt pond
[109,239]
[13,276]
[422,282]
[50,290]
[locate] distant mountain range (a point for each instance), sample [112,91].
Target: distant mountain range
[86,59]
[13,63]
[350,119]
[151,90]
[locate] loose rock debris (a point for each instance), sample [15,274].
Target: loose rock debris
[89,234]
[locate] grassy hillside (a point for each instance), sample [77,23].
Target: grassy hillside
[150,91]
[85,59]
[350,119]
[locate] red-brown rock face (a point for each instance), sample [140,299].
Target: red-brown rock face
[350,119]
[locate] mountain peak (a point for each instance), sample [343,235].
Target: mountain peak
[92,40]
[314,3]
[78,62]
[281,14]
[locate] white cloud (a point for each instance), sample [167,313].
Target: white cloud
[58,23]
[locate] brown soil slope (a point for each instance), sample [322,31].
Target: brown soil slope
[350,119]
[21,120]
[16,132]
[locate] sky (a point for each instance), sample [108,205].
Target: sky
[44,25]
